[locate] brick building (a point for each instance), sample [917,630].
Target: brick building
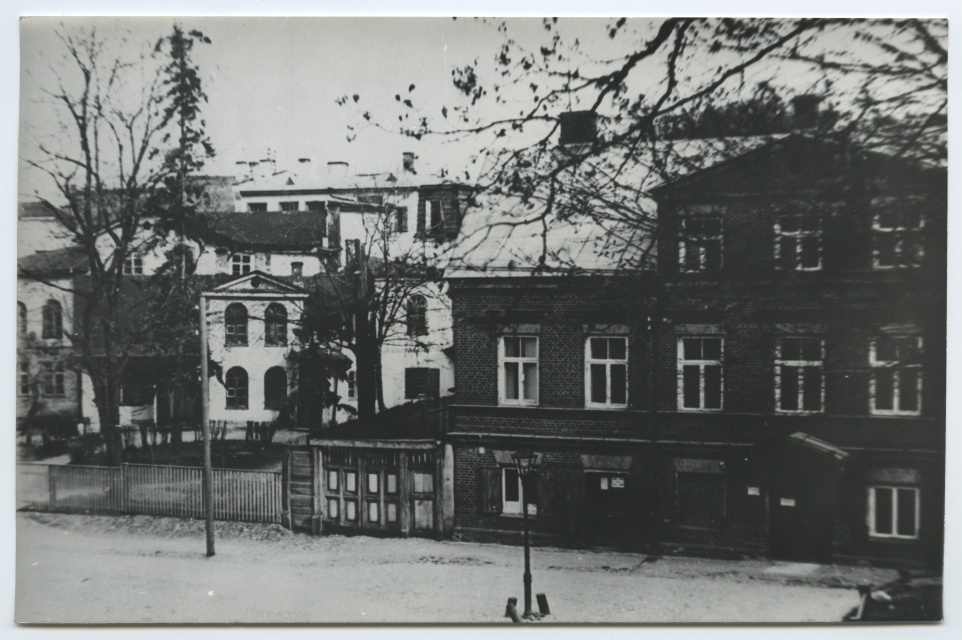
[774,384]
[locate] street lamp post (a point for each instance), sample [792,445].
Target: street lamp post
[527,464]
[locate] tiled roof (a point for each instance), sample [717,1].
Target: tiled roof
[58,261]
[268,229]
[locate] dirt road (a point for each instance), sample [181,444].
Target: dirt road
[79,569]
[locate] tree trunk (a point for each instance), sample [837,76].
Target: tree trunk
[378,377]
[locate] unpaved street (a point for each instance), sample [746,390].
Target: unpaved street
[80,569]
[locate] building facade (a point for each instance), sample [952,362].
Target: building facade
[774,386]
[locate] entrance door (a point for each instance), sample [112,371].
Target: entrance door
[608,509]
[801,509]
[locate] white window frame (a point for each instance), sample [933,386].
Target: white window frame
[879,231]
[897,367]
[798,235]
[687,243]
[895,511]
[800,364]
[239,262]
[133,265]
[589,360]
[521,360]
[701,363]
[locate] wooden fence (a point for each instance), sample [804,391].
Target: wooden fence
[244,496]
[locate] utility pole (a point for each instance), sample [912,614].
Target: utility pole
[363,337]
[208,481]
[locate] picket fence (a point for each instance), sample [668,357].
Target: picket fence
[239,495]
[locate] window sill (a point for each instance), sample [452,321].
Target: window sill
[895,414]
[235,408]
[690,410]
[518,405]
[786,412]
[891,539]
[517,516]
[602,407]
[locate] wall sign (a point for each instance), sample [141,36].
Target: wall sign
[787,502]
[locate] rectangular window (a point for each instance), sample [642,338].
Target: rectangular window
[898,240]
[401,220]
[297,270]
[422,382]
[512,492]
[315,205]
[257,207]
[519,370]
[372,482]
[290,206]
[133,265]
[700,374]
[351,385]
[700,244]
[24,378]
[435,217]
[350,481]
[350,510]
[893,512]
[799,385]
[240,264]
[391,482]
[798,242]
[53,380]
[373,512]
[333,508]
[606,375]
[896,384]
[332,480]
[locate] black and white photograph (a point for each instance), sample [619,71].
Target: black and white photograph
[421,320]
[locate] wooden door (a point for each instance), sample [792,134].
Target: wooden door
[423,499]
[801,505]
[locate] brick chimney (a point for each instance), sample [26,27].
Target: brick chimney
[578,127]
[408,161]
[806,110]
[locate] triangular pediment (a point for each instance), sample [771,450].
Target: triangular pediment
[257,282]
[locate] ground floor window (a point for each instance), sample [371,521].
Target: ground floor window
[699,493]
[53,380]
[893,512]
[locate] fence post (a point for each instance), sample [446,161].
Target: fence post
[124,489]
[52,486]
[286,491]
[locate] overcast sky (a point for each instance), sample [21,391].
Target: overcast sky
[272,82]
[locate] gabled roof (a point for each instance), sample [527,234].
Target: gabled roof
[66,261]
[256,284]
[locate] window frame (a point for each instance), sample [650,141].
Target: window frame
[503,400]
[231,325]
[241,264]
[416,315]
[607,362]
[688,242]
[133,265]
[872,501]
[52,314]
[257,207]
[275,325]
[799,235]
[232,401]
[289,206]
[52,379]
[701,364]
[896,367]
[900,232]
[800,364]
[517,511]
[432,228]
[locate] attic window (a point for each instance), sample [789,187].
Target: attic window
[240,264]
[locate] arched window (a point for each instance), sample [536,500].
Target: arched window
[417,320]
[275,388]
[235,323]
[52,320]
[236,381]
[21,318]
[275,325]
